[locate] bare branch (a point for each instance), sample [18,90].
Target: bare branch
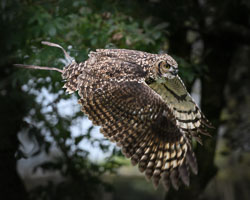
[38,67]
[67,56]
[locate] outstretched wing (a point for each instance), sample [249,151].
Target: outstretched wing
[137,119]
[189,117]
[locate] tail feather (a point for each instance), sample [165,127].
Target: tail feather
[70,74]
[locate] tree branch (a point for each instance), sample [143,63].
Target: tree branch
[38,67]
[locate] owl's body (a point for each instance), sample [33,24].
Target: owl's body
[141,104]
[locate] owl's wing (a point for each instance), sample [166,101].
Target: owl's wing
[137,119]
[189,117]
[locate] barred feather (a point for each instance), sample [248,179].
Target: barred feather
[70,74]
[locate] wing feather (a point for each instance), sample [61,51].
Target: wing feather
[153,125]
[133,115]
[189,117]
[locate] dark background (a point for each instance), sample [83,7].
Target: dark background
[209,39]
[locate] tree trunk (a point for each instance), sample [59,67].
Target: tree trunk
[213,85]
[12,111]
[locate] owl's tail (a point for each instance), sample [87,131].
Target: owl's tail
[70,74]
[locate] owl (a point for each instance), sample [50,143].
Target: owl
[143,106]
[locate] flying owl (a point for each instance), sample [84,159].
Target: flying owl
[143,106]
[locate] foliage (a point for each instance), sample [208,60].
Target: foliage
[79,26]
[201,35]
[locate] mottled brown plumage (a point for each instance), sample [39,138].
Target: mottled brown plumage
[141,104]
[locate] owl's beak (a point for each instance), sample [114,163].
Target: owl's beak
[173,71]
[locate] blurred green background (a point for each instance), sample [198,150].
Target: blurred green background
[49,150]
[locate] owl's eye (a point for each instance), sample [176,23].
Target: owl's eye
[163,64]
[167,66]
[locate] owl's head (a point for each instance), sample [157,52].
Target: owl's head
[166,67]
